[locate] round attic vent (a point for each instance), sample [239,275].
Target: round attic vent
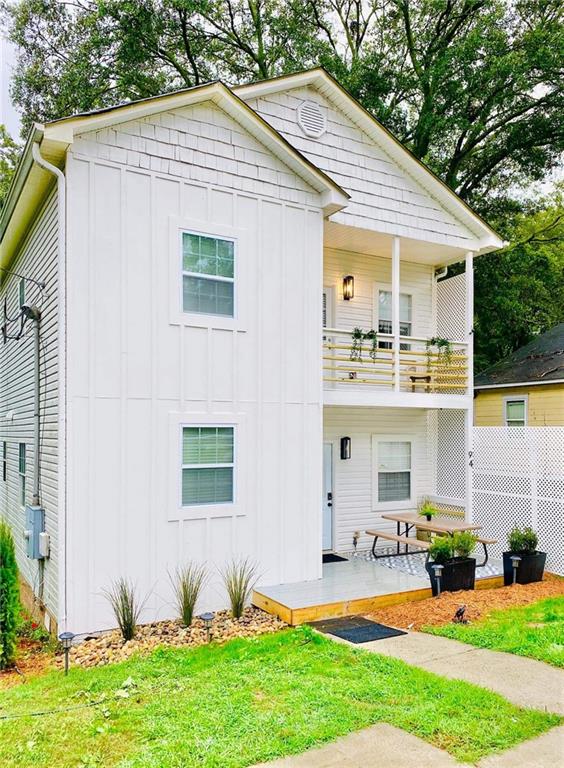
[311,119]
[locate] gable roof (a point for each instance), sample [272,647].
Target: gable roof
[30,182]
[539,362]
[319,78]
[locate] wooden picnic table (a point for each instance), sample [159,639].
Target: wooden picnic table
[413,520]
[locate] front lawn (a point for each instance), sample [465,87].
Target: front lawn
[243,702]
[535,630]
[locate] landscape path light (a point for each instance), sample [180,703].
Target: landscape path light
[208,618]
[515,560]
[66,638]
[438,569]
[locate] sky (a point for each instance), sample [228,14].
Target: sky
[8,115]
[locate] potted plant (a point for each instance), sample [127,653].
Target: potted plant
[453,553]
[443,351]
[426,509]
[523,542]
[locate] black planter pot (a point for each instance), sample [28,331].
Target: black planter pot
[458,573]
[531,567]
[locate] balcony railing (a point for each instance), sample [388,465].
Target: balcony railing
[349,360]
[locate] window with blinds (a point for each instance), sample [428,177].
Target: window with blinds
[21,467]
[385,316]
[207,465]
[208,275]
[394,471]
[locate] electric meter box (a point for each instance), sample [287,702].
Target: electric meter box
[34,525]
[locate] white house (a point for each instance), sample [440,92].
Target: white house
[195,265]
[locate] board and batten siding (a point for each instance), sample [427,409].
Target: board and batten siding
[353,508]
[384,197]
[138,368]
[371,273]
[37,259]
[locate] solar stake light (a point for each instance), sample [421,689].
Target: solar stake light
[515,560]
[66,638]
[438,569]
[208,618]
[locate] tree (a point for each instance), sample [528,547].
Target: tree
[473,87]
[519,291]
[9,596]
[9,155]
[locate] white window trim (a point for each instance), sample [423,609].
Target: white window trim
[243,250]
[515,399]
[22,476]
[376,305]
[392,506]
[209,466]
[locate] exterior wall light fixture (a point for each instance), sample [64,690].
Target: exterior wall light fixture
[348,287]
[345,448]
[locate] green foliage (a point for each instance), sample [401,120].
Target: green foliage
[9,155]
[426,508]
[31,629]
[522,540]
[249,701]
[463,543]
[9,596]
[443,348]
[187,585]
[239,578]
[441,549]
[535,630]
[126,606]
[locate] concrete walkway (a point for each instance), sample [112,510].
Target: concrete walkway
[524,682]
[383,746]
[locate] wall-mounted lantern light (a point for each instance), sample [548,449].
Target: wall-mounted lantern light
[345,448]
[348,287]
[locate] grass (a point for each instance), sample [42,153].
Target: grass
[243,702]
[535,630]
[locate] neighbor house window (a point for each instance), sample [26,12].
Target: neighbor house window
[208,275]
[21,293]
[207,465]
[22,472]
[385,316]
[394,471]
[515,412]
[4,461]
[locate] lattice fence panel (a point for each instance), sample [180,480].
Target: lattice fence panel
[518,479]
[451,307]
[451,460]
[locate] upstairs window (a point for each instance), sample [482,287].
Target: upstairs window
[207,465]
[385,316]
[208,275]
[21,467]
[515,412]
[4,461]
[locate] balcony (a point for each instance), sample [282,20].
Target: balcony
[370,363]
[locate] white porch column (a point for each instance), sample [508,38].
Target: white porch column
[395,309]
[469,415]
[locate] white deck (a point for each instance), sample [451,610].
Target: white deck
[354,579]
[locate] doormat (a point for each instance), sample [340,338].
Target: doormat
[331,558]
[356,629]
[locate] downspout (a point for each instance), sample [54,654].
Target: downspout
[62,367]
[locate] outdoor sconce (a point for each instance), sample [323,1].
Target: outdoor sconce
[208,618]
[345,448]
[66,638]
[348,287]
[515,560]
[438,569]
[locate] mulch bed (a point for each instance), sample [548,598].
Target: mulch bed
[440,610]
[31,659]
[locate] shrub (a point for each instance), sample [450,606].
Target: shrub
[126,606]
[522,540]
[9,597]
[239,578]
[464,543]
[425,508]
[441,549]
[187,587]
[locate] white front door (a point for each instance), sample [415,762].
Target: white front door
[327,496]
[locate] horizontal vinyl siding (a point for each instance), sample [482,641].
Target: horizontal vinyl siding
[352,478]
[37,259]
[384,197]
[415,279]
[545,407]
